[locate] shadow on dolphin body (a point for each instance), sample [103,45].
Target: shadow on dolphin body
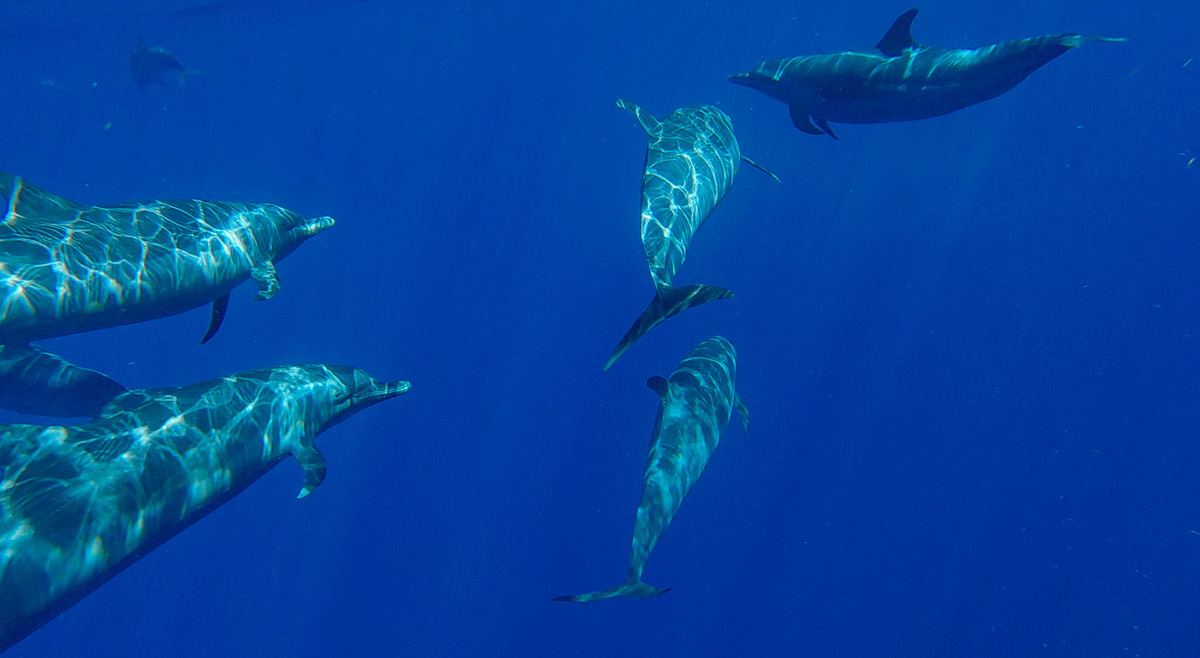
[905,81]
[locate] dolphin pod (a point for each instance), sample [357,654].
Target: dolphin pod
[691,162]
[68,268]
[695,406]
[78,504]
[906,81]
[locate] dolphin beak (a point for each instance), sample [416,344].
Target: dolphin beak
[315,225]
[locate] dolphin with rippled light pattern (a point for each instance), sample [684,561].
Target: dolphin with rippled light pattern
[691,162]
[905,81]
[695,406]
[78,504]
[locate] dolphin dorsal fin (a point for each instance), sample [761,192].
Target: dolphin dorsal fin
[899,36]
[658,385]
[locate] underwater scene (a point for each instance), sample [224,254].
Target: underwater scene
[363,328]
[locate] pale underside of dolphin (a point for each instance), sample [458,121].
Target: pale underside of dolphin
[905,81]
[691,162]
[695,406]
[67,268]
[34,381]
[80,503]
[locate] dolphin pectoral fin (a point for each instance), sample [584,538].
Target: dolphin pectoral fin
[313,463]
[218,316]
[667,302]
[743,412]
[824,126]
[653,126]
[634,589]
[899,36]
[267,279]
[761,168]
[803,122]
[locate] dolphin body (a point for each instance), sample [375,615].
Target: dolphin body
[34,381]
[907,81]
[696,404]
[80,503]
[149,64]
[691,162]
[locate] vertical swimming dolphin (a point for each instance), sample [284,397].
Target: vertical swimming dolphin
[696,404]
[78,504]
[66,267]
[906,81]
[691,161]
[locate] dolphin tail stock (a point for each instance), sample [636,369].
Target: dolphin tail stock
[761,168]
[632,589]
[668,301]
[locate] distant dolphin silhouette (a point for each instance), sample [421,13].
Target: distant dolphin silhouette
[697,403]
[79,504]
[908,81]
[34,381]
[691,161]
[149,64]
[71,268]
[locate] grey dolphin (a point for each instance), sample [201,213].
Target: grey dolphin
[80,503]
[907,81]
[691,161]
[149,64]
[68,267]
[696,404]
[34,381]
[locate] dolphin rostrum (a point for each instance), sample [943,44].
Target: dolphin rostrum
[906,81]
[80,503]
[691,161]
[696,404]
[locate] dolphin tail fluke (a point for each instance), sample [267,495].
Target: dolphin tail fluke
[667,302]
[633,589]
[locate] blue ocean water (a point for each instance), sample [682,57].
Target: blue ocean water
[969,345]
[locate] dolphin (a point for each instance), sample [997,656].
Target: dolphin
[696,404]
[67,268]
[80,503]
[691,162]
[34,381]
[149,64]
[906,81]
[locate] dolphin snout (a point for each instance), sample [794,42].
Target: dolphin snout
[315,225]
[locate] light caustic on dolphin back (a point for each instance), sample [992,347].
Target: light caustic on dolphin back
[691,162]
[695,405]
[80,503]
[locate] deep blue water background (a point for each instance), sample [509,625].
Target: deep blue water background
[969,345]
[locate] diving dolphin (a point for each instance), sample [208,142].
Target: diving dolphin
[691,162]
[697,402]
[34,381]
[148,64]
[907,81]
[78,504]
[67,268]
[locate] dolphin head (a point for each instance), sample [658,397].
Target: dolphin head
[287,230]
[350,390]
